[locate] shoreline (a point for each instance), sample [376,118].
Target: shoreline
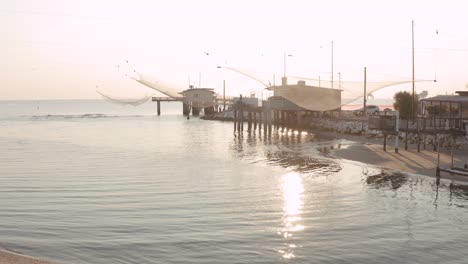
[367,147]
[370,151]
[8,257]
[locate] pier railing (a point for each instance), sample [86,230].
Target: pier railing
[424,125]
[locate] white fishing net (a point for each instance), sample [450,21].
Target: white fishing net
[158,85]
[319,94]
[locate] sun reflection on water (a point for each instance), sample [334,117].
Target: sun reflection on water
[293,191]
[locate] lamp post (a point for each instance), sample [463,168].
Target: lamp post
[284,62]
[332,64]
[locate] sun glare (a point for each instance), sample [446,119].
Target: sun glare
[293,190]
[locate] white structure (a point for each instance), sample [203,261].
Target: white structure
[199,97]
[308,97]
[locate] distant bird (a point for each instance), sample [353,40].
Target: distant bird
[206,53]
[437,31]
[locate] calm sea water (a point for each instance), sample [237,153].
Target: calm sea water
[92,182]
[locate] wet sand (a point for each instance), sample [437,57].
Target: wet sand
[13,258]
[370,151]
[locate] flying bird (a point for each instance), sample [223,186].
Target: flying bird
[206,53]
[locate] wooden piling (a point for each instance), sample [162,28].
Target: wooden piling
[255,120]
[249,120]
[235,119]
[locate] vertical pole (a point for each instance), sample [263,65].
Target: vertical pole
[242,119]
[412,48]
[332,64]
[438,158]
[453,144]
[364,112]
[254,120]
[365,92]
[159,107]
[299,121]
[269,114]
[249,124]
[397,128]
[224,95]
[406,135]
[235,118]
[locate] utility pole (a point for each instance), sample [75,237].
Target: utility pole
[332,64]
[412,98]
[364,113]
[224,95]
[365,96]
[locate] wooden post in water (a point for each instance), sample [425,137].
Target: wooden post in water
[224,95]
[299,121]
[235,118]
[259,122]
[249,120]
[255,120]
[438,158]
[159,107]
[242,119]
[270,123]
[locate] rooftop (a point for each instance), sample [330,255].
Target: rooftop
[462,97]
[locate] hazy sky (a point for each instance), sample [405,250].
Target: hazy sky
[67,49]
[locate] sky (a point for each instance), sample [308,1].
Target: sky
[68,49]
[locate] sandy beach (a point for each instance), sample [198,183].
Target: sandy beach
[13,258]
[370,151]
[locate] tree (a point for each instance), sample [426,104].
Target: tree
[403,104]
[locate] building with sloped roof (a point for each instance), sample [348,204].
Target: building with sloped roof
[445,106]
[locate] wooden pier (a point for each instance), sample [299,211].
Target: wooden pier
[162,99]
